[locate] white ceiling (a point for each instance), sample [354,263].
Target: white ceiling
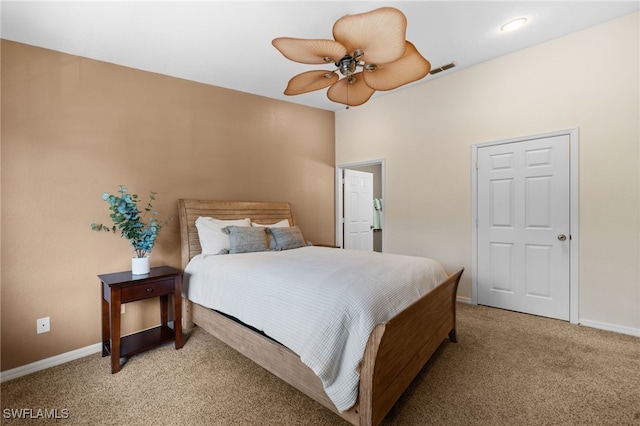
[228,43]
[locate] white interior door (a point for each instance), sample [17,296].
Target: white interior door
[358,210]
[523,212]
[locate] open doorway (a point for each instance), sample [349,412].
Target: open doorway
[376,168]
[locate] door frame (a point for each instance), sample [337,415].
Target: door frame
[340,196]
[574,207]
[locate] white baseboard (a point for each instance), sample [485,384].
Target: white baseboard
[49,362]
[466,300]
[584,322]
[610,327]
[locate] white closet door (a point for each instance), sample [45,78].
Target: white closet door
[523,226]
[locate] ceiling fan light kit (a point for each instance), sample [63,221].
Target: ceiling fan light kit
[370,51]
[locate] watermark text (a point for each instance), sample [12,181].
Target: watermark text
[35,413]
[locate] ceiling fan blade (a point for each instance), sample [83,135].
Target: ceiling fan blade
[310,81]
[380,34]
[310,51]
[410,67]
[350,94]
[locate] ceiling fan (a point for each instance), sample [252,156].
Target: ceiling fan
[369,50]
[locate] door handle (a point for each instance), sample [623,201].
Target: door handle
[562,237]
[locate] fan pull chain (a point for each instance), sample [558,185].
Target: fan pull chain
[347,93]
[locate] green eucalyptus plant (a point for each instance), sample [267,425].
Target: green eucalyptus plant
[140,228]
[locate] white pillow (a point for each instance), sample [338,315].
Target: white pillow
[282,224]
[212,239]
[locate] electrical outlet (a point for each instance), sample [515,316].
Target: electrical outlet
[43,325]
[122,308]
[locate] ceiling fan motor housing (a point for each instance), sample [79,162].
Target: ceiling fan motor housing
[347,65]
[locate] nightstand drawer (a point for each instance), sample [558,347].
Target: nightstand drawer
[143,291]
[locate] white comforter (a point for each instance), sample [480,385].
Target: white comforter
[322,303]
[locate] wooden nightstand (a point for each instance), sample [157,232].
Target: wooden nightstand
[123,287]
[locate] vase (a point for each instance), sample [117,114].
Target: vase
[140,265]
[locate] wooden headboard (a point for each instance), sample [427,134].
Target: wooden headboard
[259,211]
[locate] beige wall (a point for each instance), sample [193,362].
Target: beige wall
[589,81]
[73,128]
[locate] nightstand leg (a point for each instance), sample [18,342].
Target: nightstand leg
[106,332]
[177,311]
[115,331]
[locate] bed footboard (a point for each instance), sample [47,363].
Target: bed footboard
[398,350]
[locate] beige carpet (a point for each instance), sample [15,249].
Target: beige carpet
[506,369]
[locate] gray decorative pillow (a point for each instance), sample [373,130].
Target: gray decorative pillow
[244,239]
[287,238]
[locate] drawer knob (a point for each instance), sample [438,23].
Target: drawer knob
[149,290]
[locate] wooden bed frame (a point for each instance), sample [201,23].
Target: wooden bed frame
[396,351]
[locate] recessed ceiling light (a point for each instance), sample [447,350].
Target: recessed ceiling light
[513,24]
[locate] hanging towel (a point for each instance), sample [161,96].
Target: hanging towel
[377,212]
